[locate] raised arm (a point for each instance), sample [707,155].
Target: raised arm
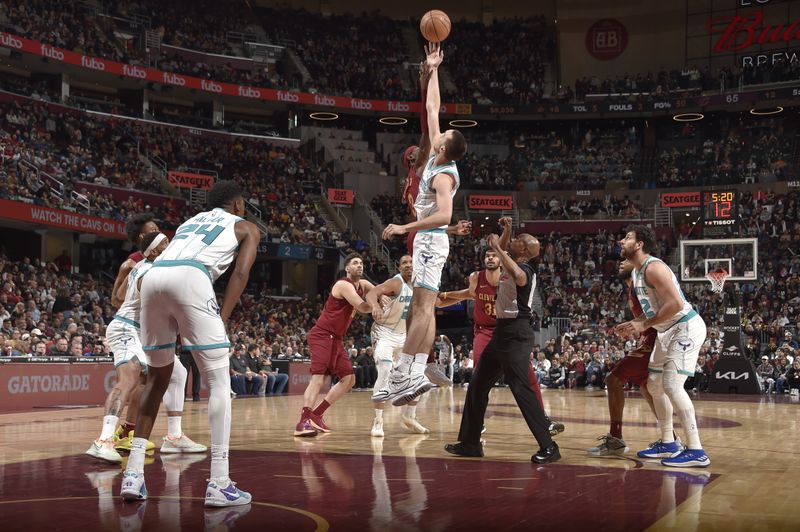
[425,139]
[433,103]
[508,264]
[505,238]
[122,279]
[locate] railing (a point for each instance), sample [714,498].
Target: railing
[662,216]
[82,201]
[256,216]
[377,245]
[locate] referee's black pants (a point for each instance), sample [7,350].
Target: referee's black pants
[508,353]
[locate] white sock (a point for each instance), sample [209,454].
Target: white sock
[219,463]
[136,458]
[219,418]
[404,365]
[109,426]
[662,405]
[174,426]
[173,397]
[420,363]
[379,413]
[410,411]
[680,401]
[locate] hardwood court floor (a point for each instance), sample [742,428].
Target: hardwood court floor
[346,480]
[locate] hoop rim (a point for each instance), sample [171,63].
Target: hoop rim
[717,279]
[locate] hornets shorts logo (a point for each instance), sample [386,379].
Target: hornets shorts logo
[426,257]
[124,340]
[685,345]
[212,306]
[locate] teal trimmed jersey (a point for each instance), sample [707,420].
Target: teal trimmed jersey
[650,300]
[425,204]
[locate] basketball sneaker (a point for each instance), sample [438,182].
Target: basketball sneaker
[124,444]
[104,450]
[133,488]
[226,494]
[377,428]
[181,444]
[402,385]
[434,373]
[414,426]
[554,427]
[316,420]
[305,429]
[688,458]
[609,445]
[658,449]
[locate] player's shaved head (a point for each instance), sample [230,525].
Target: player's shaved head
[531,244]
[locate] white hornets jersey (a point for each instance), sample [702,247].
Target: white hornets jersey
[129,311]
[395,313]
[207,238]
[425,205]
[650,300]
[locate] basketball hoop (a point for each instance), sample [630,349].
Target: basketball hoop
[717,279]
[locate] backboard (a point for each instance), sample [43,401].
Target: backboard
[738,256]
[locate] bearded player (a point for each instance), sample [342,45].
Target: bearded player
[415,165]
[434,208]
[681,333]
[632,368]
[328,356]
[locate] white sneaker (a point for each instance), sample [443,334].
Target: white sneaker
[414,426]
[435,374]
[104,450]
[229,495]
[133,488]
[403,388]
[182,444]
[609,445]
[377,427]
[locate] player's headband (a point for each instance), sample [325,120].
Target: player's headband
[154,244]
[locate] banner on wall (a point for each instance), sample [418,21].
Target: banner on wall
[73,221]
[340,196]
[680,199]
[606,39]
[490,203]
[190,180]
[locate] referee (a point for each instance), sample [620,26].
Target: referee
[508,352]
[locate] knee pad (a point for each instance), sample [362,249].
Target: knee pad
[655,383]
[179,372]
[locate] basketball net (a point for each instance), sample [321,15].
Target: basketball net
[717,279]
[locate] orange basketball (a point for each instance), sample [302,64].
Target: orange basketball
[435,25]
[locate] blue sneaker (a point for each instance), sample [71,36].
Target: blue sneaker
[688,458]
[133,488]
[226,493]
[658,449]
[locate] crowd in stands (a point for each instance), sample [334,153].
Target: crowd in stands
[557,161]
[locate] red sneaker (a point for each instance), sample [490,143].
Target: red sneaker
[304,429]
[317,422]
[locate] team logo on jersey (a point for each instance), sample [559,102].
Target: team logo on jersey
[125,339]
[213,307]
[685,345]
[426,257]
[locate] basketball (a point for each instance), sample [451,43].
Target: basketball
[435,26]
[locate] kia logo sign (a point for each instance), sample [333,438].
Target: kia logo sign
[606,39]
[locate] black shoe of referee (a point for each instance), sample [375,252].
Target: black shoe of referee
[461,449]
[547,455]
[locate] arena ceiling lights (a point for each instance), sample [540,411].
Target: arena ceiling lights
[767,111]
[688,117]
[393,120]
[464,122]
[323,115]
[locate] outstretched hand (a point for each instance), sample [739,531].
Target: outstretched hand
[505,222]
[392,230]
[434,54]
[463,228]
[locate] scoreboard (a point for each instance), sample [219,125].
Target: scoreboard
[719,212]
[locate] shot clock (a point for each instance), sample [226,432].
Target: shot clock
[720,212]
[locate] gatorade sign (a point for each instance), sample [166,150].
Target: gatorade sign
[490,203]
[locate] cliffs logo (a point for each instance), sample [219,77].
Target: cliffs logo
[491,203]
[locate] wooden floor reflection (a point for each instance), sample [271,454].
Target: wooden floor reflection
[406,482]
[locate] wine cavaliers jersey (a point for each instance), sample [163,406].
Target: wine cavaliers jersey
[338,313]
[485,314]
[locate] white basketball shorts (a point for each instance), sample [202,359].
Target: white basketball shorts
[431,249]
[178,299]
[680,344]
[122,339]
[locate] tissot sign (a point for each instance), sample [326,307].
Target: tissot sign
[747,33]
